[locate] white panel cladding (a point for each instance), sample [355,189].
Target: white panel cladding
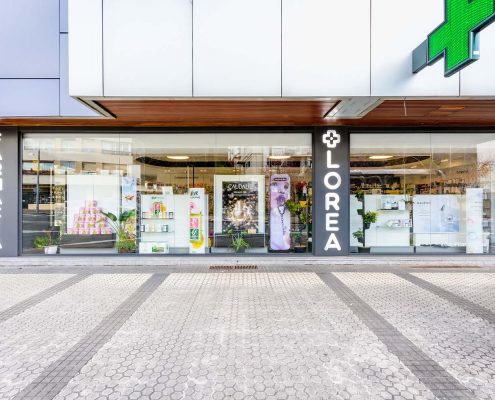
[85,48]
[237,48]
[478,79]
[326,48]
[148,47]
[398,27]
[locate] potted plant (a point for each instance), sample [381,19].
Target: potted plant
[359,236]
[239,244]
[126,243]
[359,195]
[297,238]
[46,242]
[369,218]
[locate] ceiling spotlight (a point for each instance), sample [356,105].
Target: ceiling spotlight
[278,157]
[178,157]
[380,157]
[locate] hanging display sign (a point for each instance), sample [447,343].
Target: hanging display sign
[9,199]
[198,221]
[330,192]
[279,214]
[474,221]
[129,203]
[239,204]
[457,38]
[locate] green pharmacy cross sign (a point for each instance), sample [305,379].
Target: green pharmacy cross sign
[456,38]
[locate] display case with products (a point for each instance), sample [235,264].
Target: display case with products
[157,224]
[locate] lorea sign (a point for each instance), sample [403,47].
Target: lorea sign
[331,192]
[457,38]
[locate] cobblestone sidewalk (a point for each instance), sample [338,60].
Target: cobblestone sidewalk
[252,335]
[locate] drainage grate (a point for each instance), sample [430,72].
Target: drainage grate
[232,267]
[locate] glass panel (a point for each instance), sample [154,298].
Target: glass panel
[167,193]
[421,193]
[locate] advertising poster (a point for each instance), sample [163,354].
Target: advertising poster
[436,213]
[129,202]
[474,221]
[279,214]
[239,204]
[198,221]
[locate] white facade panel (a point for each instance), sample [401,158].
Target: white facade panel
[237,48]
[326,48]
[398,27]
[148,48]
[85,48]
[478,79]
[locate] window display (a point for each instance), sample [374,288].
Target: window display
[167,193]
[422,193]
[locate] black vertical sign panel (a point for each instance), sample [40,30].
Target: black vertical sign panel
[9,192]
[331,191]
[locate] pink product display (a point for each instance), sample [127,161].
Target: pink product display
[90,221]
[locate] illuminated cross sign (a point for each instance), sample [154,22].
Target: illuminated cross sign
[456,39]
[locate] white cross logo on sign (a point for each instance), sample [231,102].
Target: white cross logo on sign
[331,139]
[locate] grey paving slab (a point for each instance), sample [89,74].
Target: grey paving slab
[56,375]
[462,302]
[244,336]
[478,288]
[32,340]
[39,297]
[442,384]
[459,341]
[15,288]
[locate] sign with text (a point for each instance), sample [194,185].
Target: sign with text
[331,192]
[9,195]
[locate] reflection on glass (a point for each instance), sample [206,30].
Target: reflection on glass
[163,193]
[422,193]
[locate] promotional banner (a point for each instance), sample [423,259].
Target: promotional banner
[198,221]
[279,214]
[239,204]
[129,203]
[474,221]
[436,213]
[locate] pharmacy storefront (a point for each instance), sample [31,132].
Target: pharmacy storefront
[322,191]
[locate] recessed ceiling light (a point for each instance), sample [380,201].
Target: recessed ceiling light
[444,160]
[178,157]
[278,157]
[202,170]
[380,157]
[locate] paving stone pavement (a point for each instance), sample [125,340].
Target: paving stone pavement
[14,289]
[462,343]
[252,335]
[35,338]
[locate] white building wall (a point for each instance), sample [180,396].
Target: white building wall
[236,48]
[270,48]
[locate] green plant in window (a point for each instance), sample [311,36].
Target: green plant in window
[238,243]
[45,240]
[359,235]
[125,242]
[370,217]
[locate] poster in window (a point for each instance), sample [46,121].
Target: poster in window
[279,214]
[239,204]
[436,213]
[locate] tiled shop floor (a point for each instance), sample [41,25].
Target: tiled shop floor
[247,336]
